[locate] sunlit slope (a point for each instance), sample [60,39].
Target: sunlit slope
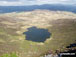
[62,26]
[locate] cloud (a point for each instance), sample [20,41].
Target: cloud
[35,2]
[9,0]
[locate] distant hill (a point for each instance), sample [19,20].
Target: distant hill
[54,7]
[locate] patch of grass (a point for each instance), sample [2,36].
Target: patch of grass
[10,55]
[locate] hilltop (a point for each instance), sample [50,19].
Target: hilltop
[61,25]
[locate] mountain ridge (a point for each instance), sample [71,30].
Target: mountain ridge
[52,7]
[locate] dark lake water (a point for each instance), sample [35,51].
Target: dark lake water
[36,34]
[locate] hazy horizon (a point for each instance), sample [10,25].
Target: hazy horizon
[35,2]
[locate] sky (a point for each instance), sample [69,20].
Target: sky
[35,2]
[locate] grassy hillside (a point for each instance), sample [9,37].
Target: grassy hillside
[62,26]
